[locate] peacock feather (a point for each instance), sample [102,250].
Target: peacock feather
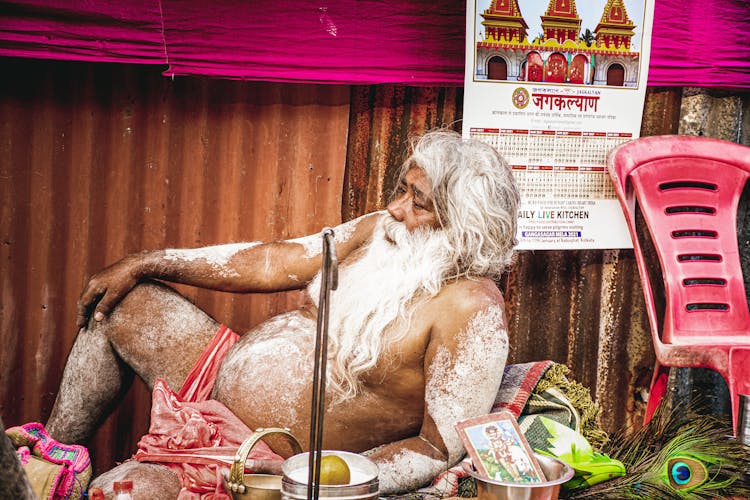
[679,454]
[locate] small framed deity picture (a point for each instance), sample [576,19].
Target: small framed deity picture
[498,449]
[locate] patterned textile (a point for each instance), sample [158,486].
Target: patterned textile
[55,470]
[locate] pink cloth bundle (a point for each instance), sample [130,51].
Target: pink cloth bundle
[194,436]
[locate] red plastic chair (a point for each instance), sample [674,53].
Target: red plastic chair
[688,189]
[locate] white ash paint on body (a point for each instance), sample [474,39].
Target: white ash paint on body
[269,369]
[313,244]
[147,478]
[407,471]
[92,363]
[217,256]
[164,325]
[465,385]
[143,330]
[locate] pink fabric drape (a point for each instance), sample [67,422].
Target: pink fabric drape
[703,43]
[193,435]
[421,42]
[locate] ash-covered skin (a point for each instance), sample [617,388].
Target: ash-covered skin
[404,472]
[454,392]
[149,480]
[217,256]
[161,330]
[92,375]
[459,386]
[258,357]
[142,331]
[313,244]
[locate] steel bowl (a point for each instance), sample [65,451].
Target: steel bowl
[556,472]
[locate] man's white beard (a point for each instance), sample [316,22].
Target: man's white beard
[376,295]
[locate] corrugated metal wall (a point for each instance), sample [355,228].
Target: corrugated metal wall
[100,160]
[97,161]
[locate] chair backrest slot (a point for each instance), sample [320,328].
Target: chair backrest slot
[707,306]
[665,186]
[699,257]
[691,210]
[704,281]
[694,233]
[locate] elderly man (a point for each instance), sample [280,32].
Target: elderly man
[417,331]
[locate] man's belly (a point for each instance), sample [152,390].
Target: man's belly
[266,374]
[266,380]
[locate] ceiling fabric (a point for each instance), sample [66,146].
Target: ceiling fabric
[695,42]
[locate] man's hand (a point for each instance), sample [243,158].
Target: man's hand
[106,288]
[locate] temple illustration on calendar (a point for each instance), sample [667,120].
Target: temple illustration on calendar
[563,51]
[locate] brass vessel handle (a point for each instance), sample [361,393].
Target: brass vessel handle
[237,473]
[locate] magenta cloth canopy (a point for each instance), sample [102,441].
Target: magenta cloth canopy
[418,42]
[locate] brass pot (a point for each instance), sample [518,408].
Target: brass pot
[256,486]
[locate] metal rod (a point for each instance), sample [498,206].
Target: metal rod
[329,281]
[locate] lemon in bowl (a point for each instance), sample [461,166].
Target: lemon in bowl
[334,470]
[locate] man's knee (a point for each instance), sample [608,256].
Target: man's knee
[157,332]
[147,296]
[147,303]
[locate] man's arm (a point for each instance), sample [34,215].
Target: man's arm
[237,267]
[463,367]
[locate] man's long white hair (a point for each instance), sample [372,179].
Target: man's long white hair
[476,201]
[475,198]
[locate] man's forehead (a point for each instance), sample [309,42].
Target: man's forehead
[417,178]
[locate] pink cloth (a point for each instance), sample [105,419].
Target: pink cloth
[695,42]
[194,436]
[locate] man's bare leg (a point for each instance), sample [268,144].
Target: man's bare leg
[150,481]
[154,332]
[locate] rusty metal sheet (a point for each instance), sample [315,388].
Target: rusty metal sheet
[97,161]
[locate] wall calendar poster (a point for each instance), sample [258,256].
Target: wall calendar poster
[554,85]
